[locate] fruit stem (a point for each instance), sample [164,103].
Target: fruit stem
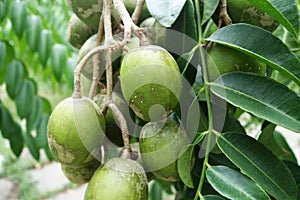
[223,16]
[137,11]
[128,24]
[123,125]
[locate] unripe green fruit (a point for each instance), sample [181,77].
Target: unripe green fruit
[224,59]
[90,44]
[154,31]
[130,6]
[118,179]
[113,131]
[78,32]
[83,174]
[160,145]
[150,82]
[241,11]
[75,130]
[89,11]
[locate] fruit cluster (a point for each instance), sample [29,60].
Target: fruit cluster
[151,86]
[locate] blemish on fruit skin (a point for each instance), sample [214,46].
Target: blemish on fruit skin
[86,13]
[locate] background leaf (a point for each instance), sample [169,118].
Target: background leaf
[234,185]
[257,162]
[25,99]
[285,12]
[209,8]
[165,12]
[260,96]
[271,50]
[184,165]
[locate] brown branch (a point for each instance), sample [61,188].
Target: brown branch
[137,11]
[223,16]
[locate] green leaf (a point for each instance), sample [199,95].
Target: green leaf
[281,141]
[156,191]
[257,162]
[33,32]
[25,99]
[35,116]
[30,143]
[18,17]
[41,133]
[16,141]
[2,53]
[8,125]
[234,185]
[58,60]
[284,12]
[270,50]
[165,12]
[213,197]
[14,78]
[45,46]
[209,8]
[260,96]
[267,138]
[4,6]
[184,165]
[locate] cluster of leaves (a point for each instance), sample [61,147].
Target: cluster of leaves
[243,167]
[34,55]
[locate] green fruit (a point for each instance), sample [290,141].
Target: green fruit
[82,174]
[161,143]
[241,11]
[224,59]
[154,31]
[113,131]
[90,12]
[118,179]
[78,32]
[130,6]
[150,82]
[90,44]
[75,130]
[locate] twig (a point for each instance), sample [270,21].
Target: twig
[128,24]
[123,125]
[137,11]
[223,16]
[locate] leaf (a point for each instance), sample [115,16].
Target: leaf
[45,45]
[284,12]
[8,125]
[184,165]
[260,96]
[257,162]
[14,78]
[58,60]
[2,53]
[41,139]
[267,139]
[18,17]
[16,140]
[213,197]
[270,50]
[30,143]
[33,32]
[25,99]
[281,141]
[156,191]
[34,118]
[165,12]
[4,6]
[209,8]
[234,185]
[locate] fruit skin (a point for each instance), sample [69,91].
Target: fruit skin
[161,143]
[241,11]
[149,77]
[75,130]
[113,131]
[88,45]
[90,11]
[78,32]
[224,59]
[154,31]
[118,179]
[83,174]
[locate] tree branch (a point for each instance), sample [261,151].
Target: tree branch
[223,16]
[137,11]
